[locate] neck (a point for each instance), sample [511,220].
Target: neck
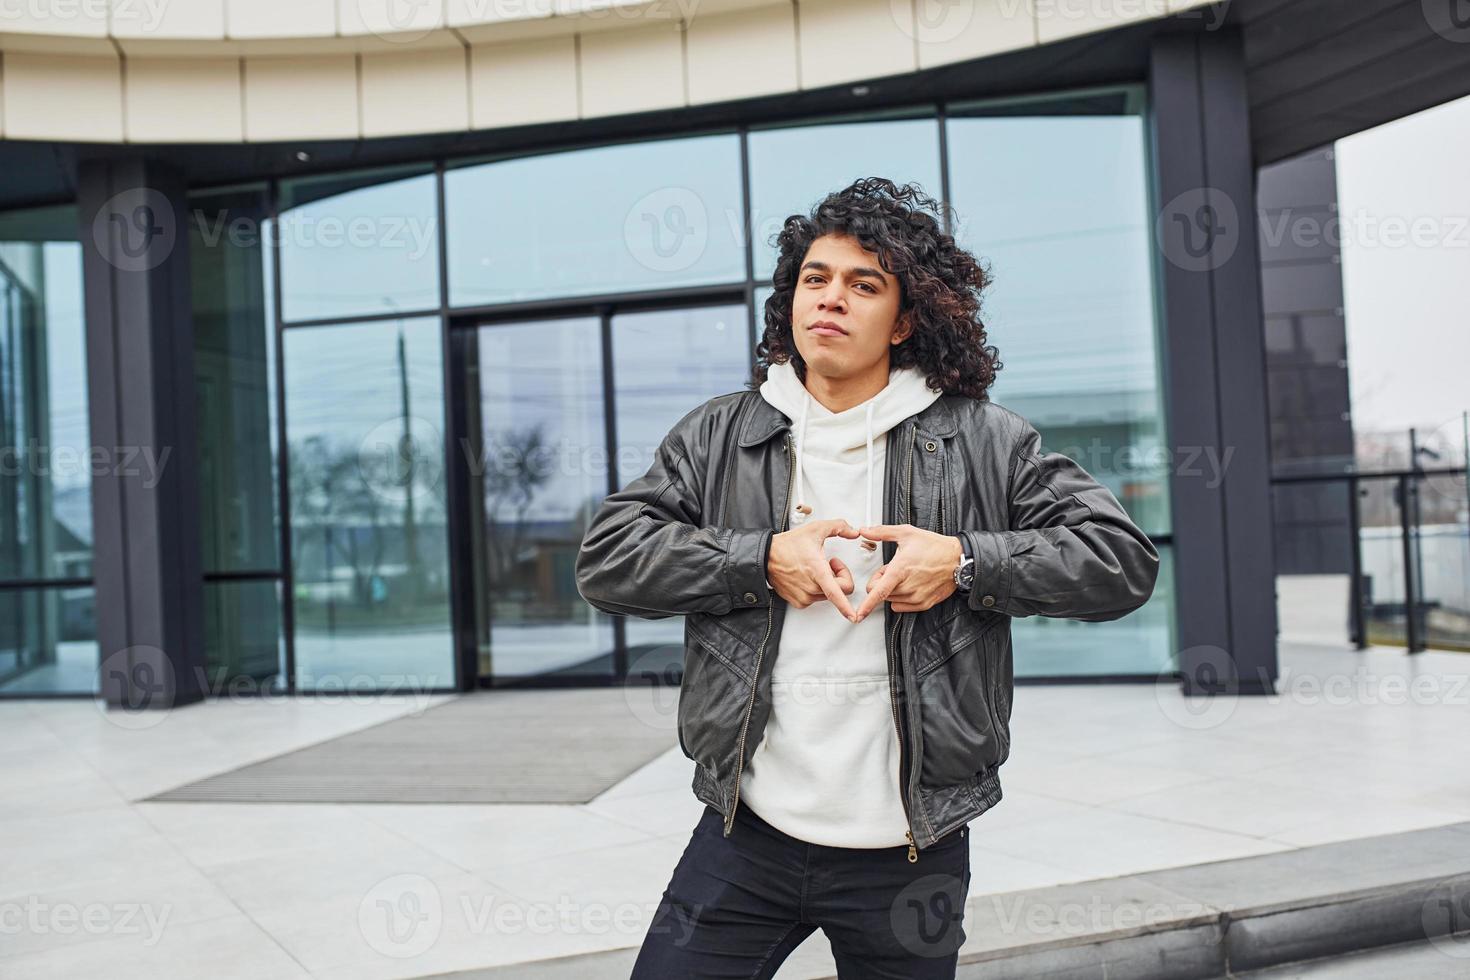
[840,394]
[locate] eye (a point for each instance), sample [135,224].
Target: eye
[868,287]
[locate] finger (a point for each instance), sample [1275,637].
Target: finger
[834,592]
[839,528]
[883,532]
[884,586]
[843,574]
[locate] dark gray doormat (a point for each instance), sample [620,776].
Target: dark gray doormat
[541,746]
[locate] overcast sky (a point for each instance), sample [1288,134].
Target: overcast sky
[1408,317]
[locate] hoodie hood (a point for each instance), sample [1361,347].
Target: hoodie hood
[847,435]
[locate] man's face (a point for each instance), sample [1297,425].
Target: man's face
[845,310]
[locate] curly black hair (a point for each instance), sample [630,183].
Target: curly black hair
[939,284]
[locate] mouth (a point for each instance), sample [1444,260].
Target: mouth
[826,328]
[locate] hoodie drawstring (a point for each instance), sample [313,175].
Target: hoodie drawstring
[803,510]
[868,508]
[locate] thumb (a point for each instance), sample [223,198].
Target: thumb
[843,575]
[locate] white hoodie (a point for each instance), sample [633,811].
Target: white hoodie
[827,769]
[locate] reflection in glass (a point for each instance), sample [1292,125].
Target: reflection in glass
[244,646]
[364,415]
[358,244]
[652,215]
[48,640]
[665,364]
[792,169]
[234,372]
[47,636]
[1140,643]
[540,472]
[1058,208]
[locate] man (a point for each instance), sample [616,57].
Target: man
[840,754]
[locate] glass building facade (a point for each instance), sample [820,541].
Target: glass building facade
[416,385]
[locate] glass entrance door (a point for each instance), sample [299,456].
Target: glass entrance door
[546,405]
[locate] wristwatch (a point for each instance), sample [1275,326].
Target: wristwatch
[964,572]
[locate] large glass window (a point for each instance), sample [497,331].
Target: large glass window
[538,471]
[791,169]
[1054,197]
[665,363]
[365,424]
[1050,193]
[48,637]
[234,370]
[359,244]
[653,215]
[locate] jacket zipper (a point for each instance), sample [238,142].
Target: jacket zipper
[893,666]
[761,650]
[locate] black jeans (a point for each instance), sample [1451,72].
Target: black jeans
[737,906]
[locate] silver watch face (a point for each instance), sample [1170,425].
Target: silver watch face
[964,574]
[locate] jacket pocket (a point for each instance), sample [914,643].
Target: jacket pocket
[712,698]
[962,729]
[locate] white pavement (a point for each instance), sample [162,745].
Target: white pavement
[1102,781]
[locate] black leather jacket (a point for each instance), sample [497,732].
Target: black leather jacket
[690,538]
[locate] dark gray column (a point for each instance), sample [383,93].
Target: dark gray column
[140,375]
[1214,364]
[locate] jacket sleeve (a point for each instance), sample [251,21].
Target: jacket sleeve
[647,552]
[1072,551]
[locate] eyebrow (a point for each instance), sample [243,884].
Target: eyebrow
[860,271]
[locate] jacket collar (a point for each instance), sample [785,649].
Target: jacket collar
[764,420]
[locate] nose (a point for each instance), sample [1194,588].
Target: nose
[833,298]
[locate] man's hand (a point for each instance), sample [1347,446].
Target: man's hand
[800,572]
[921,573]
